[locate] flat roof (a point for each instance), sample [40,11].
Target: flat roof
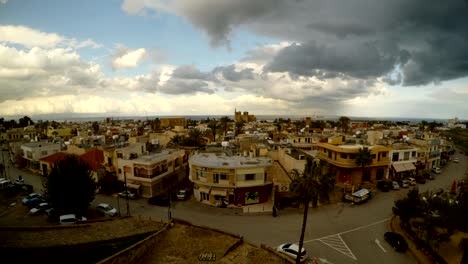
[222,160]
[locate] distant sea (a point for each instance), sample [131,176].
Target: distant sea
[92,118]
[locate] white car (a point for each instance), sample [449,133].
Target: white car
[292,251]
[436,170]
[456,160]
[412,181]
[395,185]
[39,209]
[71,219]
[106,209]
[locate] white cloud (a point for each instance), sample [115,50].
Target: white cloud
[3,1]
[127,59]
[28,37]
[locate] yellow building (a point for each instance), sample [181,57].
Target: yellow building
[59,132]
[342,163]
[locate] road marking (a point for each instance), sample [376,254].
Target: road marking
[380,246]
[336,242]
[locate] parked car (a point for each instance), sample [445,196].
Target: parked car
[71,219]
[106,209]
[33,202]
[161,200]
[39,209]
[456,160]
[396,240]
[384,186]
[4,183]
[412,181]
[436,170]
[292,251]
[26,199]
[428,176]
[128,194]
[420,179]
[404,183]
[182,194]
[395,185]
[19,180]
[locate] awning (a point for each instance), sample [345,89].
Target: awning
[133,186]
[218,192]
[403,167]
[204,189]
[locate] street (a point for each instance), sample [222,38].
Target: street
[337,233]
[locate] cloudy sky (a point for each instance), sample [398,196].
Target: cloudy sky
[385,58]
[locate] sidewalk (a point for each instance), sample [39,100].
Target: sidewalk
[417,254]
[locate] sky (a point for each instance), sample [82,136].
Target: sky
[362,58]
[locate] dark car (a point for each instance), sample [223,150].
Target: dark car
[428,176]
[161,200]
[420,179]
[33,202]
[396,240]
[384,186]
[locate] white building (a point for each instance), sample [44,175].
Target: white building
[33,151]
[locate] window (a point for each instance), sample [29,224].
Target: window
[216,178]
[344,155]
[120,171]
[395,156]
[329,154]
[119,155]
[406,155]
[250,177]
[384,154]
[223,176]
[352,156]
[413,154]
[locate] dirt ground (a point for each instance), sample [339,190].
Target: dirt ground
[189,244]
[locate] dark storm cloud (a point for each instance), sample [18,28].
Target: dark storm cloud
[190,72]
[428,39]
[181,86]
[229,73]
[359,60]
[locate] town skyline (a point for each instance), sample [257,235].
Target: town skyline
[180,58]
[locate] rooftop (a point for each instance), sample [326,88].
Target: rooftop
[222,160]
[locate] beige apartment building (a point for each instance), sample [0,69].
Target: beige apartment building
[341,159]
[238,180]
[149,174]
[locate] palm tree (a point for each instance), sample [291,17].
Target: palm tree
[224,123]
[239,126]
[363,159]
[309,186]
[214,126]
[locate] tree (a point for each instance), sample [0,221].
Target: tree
[363,159]
[108,183]
[422,125]
[156,124]
[70,186]
[214,126]
[343,123]
[25,121]
[224,124]
[176,141]
[239,126]
[95,126]
[309,186]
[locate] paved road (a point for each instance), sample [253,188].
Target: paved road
[338,233]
